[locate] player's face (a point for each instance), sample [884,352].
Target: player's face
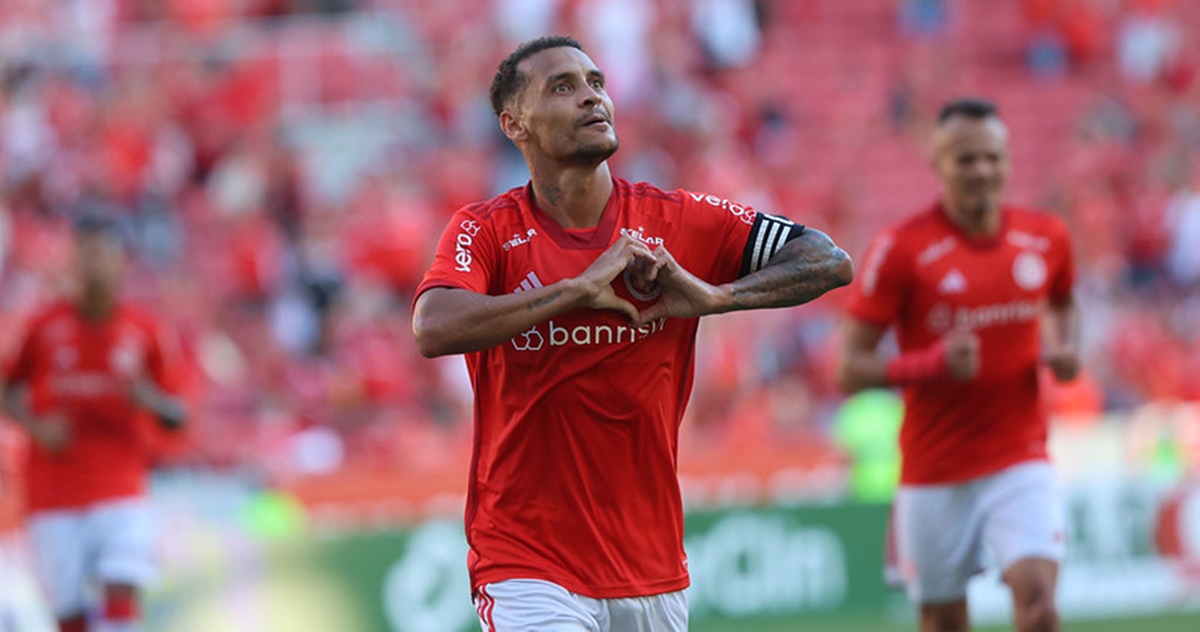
[99,263]
[564,109]
[971,158]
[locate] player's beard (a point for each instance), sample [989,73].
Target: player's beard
[980,203]
[593,154]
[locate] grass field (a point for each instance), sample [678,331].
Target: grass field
[1189,622]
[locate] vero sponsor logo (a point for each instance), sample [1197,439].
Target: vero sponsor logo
[741,212]
[462,245]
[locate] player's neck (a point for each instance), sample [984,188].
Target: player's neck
[574,197]
[974,223]
[96,307]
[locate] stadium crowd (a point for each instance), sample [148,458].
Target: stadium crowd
[283,170]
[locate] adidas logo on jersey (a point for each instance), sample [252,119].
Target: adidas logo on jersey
[530,282]
[953,283]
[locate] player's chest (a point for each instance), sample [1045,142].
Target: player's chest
[966,275]
[532,256]
[105,350]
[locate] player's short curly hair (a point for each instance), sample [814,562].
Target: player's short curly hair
[509,81]
[969,107]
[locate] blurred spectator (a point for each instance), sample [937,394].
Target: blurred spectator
[1148,40]
[1183,227]
[728,31]
[923,18]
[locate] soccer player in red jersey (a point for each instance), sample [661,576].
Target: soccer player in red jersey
[980,295]
[90,376]
[575,300]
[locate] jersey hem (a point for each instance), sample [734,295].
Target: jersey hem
[972,474]
[33,508]
[618,591]
[874,320]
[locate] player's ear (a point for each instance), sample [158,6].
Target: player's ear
[512,126]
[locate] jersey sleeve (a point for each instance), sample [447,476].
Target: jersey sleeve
[163,363]
[736,240]
[1063,273]
[877,295]
[465,256]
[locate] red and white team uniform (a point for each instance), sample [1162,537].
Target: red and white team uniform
[926,277]
[87,515]
[573,473]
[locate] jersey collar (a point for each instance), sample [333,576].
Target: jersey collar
[973,241]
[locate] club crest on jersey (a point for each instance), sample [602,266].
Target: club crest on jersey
[639,291]
[1029,270]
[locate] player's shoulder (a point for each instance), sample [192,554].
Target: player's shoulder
[498,207]
[52,321]
[922,222]
[645,192]
[139,315]
[913,230]
[708,209]
[57,311]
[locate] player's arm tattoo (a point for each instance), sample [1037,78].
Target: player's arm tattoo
[803,269]
[545,300]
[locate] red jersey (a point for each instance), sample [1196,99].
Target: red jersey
[927,277]
[80,370]
[573,471]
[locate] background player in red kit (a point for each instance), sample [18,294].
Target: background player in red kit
[980,294]
[87,374]
[575,299]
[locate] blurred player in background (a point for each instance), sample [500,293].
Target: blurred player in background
[89,378]
[981,296]
[576,301]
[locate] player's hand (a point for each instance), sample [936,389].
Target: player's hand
[684,295]
[52,434]
[1063,361]
[962,354]
[166,410]
[596,280]
[141,392]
